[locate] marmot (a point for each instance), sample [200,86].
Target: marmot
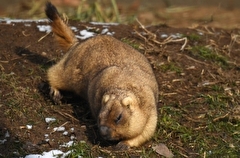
[117,81]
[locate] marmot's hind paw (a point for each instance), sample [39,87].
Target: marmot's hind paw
[55,95]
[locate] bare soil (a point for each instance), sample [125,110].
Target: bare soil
[26,54]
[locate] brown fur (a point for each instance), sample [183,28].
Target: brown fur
[117,81]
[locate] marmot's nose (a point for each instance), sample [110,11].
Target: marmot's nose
[104,130]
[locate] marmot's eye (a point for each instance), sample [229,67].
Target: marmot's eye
[118,118]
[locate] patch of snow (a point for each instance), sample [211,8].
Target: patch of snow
[46,137]
[74,28]
[164,35]
[104,31]
[29,126]
[3,141]
[9,21]
[177,35]
[65,133]
[110,33]
[89,28]
[72,137]
[68,144]
[47,140]
[16,153]
[49,119]
[59,129]
[102,23]
[50,154]
[84,34]
[7,135]
[72,129]
[44,28]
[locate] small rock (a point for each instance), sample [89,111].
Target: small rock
[163,150]
[44,54]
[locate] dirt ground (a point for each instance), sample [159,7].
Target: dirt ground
[183,77]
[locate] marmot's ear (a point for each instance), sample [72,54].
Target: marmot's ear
[127,101]
[105,98]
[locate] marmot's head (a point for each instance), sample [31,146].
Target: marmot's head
[120,117]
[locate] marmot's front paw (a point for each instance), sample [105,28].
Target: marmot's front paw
[55,95]
[122,146]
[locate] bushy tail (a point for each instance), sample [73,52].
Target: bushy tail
[63,34]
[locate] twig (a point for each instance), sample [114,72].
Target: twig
[66,115]
[24,34]
[195,60]
[221,117]
[60,126]
[152,38]
[168,94]
[170,40]
[44,36]
[234,39]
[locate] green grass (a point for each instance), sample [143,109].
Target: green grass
[169,67]
[80,149]
[193,37]
[208,54]
[19,97]
[203,126]
[200,141]
[88,151]
[12,106]
[130,42]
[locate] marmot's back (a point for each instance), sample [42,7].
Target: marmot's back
[84,61]
[103,51]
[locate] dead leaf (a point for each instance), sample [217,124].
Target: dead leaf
[163,150]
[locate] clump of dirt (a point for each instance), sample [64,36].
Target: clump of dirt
[207,66]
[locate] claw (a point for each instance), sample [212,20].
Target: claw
[122,146]
[55,95]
